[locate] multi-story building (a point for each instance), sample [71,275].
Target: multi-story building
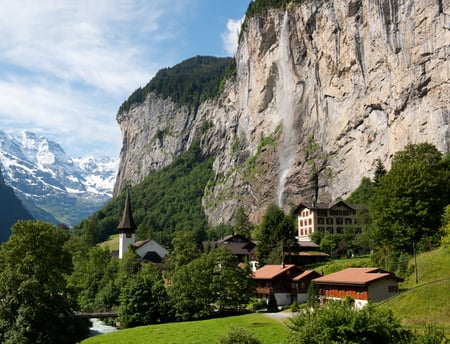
[324,218]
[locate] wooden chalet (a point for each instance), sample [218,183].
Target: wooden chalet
[362,284]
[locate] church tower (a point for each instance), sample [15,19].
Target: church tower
[127,228]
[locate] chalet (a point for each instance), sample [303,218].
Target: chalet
[147,250]
[362,284]
[244,249]
[324,218]
[150,251]
[302,282]
[288,283]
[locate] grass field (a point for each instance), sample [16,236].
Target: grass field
[205,331]
[427,302]
[112,243]
[340,264]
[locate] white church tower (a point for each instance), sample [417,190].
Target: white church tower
[127,228]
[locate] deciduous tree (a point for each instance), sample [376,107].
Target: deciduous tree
[36,304]
[274,230]
[407,205]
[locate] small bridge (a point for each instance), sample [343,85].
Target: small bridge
[98,315]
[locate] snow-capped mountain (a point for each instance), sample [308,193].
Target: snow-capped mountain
[52,185]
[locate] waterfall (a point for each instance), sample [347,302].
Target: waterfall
[286,106]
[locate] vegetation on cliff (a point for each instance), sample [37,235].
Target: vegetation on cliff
[258,7]
[167,201]
[188,83]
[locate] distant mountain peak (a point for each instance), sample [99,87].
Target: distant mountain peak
[51,182]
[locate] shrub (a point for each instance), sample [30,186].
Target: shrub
[239,335]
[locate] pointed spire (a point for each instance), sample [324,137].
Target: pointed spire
[127,222]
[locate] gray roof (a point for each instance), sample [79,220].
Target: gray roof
[127,221]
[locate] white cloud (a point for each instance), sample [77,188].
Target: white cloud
[63,112]
[231,36]
[66,66]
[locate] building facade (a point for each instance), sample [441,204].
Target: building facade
[287,282]
[324,218]
[361,284]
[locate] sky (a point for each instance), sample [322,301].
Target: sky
[66,66]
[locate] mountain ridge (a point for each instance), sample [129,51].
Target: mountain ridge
[55,187]
[12,209]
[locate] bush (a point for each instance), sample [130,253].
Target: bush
[239,336]
[272,305]
[339,322]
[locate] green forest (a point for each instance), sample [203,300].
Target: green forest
[188,83]
[166,201]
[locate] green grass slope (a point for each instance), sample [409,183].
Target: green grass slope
[427,302]
[205,331]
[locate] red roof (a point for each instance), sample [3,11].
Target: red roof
[305,274]
[272,271]
[359,276]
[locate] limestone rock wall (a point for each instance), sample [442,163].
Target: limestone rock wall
[337,84]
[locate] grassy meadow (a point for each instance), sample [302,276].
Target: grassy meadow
[112,243]
[195,332]
[427,302]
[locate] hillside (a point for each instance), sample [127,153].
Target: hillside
[428,301]
[11,210]
[165,202]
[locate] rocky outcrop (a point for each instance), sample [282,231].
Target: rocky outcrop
[323,88]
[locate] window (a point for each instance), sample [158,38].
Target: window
[320,220]
[329,221]
[321,212]
[301,223]
[301,231]
[339,221]
[321,229]
[346,213]
[348,221]
[330,230]
[310,222]
[340,230]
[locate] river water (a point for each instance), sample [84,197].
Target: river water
[99,327]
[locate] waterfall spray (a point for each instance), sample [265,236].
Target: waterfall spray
[286,106]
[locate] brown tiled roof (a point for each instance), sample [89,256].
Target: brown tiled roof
[237,244]
[310,205]
[271,271]
[360,276]
[305,274]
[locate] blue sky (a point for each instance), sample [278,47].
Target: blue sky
[67,66]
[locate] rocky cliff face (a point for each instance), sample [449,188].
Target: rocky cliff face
[323,88]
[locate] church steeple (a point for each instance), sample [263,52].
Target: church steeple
[126,227]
